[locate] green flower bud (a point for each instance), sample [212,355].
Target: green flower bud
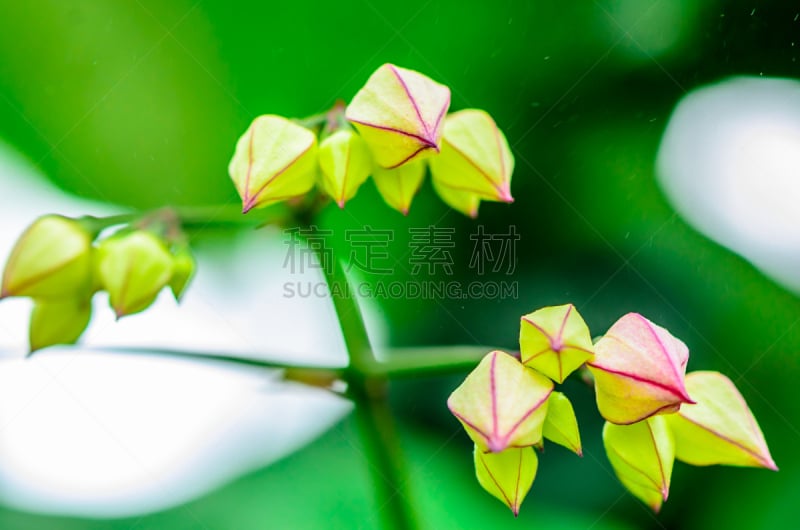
[59,321]
[501,403]
[508,476]
[398,186]
[133,267]
[346,163]
[475,156]
[183,267]
[399,114]
[719,429]
[638,370]
[51,259]
[561,425]
[462,201]
[555,341]
[275,159]
[642,455]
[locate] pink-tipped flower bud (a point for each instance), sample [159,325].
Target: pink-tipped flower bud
[507,476]
[501,403]
[555,341]
[398,186]
[275,160]
[51,259]
[346,163]
[642,455]
[719,429]
[133,267]
[561,425]
[638,370]
[399,113]
[475,156]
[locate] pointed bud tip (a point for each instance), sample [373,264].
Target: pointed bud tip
[340,203]
[515,509]
[685,398]
[247,206]
[769,463]
[505,194]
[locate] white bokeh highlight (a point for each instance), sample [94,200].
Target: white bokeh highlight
[729,162]
[91,433]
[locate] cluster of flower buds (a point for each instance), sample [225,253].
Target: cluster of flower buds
[395,126]
[654,411]
[60,263]
[508,405]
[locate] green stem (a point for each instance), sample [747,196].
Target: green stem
[369,393]
[198,217]
[430,360]
[400,362]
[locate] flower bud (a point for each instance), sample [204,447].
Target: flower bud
[642,455]
[475,156]
[555,341]
[638,368]
[719,429]
[133,267]
[51,259]
[462,201]
[183,267]
[60,321]
[561,425]
[508,476]
[346,163]
[501,403]
[399,114]
[275,159]
[398,186]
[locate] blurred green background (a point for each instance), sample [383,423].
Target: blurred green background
[139,103]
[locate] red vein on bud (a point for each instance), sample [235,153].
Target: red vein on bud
[493,390]
[411,99]
[683,396]
[765,460]
[496,483]
[664,486]
[649,325]
[252,202]
[527,414]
